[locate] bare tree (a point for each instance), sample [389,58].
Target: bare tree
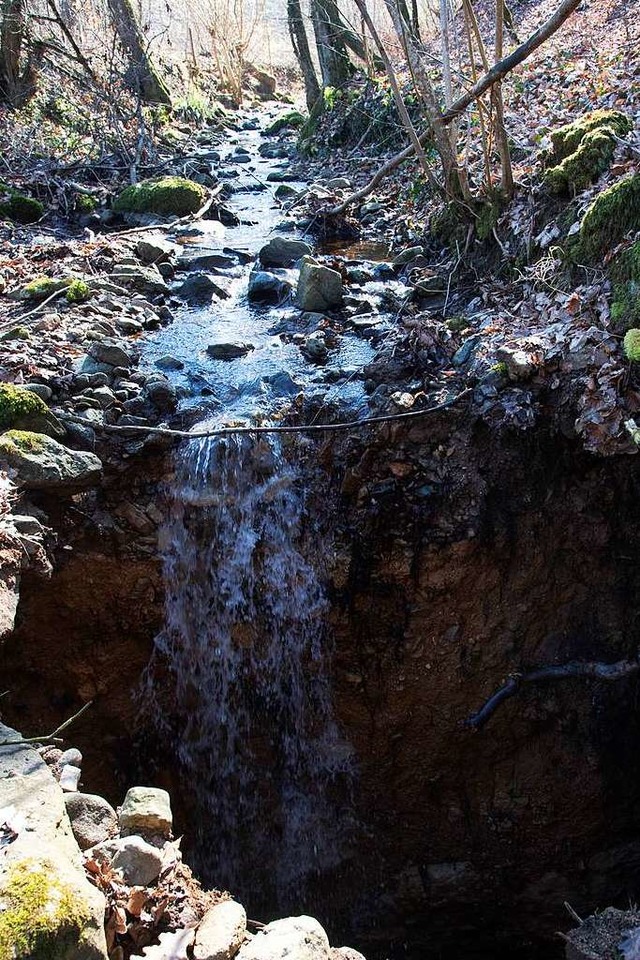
[300,43]
[143,77]
[20,57]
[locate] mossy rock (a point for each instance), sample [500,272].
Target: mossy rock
[38,462]
[567,139]
[17,207]
[21,409]
[164,196]
[41,917]
[583,150]
[293,120]
[41,287]
[625,276]
[613,213]
[631,345]
[78,291]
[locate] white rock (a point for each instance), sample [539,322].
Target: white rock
[138,861]
[221,932]
[345,953]
[70,778]
[294,938]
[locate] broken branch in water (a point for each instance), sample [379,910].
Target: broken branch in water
[50,737]
[300,428]
[563,671]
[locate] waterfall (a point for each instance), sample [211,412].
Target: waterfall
[245,651]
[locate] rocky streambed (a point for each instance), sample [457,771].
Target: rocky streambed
[451,551]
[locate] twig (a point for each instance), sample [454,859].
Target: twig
[575,668]
[189,218]
[32,313]
[50,737]
[301,428]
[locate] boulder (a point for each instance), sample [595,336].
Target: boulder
[162,395]
[138,861]
[345,953]
[110,351]
[154,249]
[229,350]
[294,938]
[200,288]
[169,363]
[221,932]
[37,462]
[93,820]
[407,255]
[146,810]
[49,907]
[314,348]
[265,287]
[282,252]
[23,409]
[143,279]
[319,287]
[166,196]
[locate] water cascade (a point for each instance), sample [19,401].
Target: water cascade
[245,647]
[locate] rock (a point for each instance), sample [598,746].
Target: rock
[200,288]
[83,380]
[338,183]
[40,389]
[285,192]
[162,395]
[143,279]
[294,938]
[282,252]
[111,352]
[406,256]
[69,778]
[146,810]
[166,196]
[72,755]
[138,861]
[265,287]
[93,820]
[599,936]
[464,353]
[345,953]
[41,463]
[169,363]
[520,364]
[221,932]
[22,409]
[315,349]
[44,891]
[319,287]
[154,249]
[230,350]
[207,261]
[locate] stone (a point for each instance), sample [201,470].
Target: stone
[154,249]
[37,462]
[69,777]
[111,352]
[200,288]
[293,938]
[41,390]
[230,350]
[520,364]
[143,279]
[319,287]
[138,861]
[406,256]
[162,395]
[93,820]
[146,810]
[315,349]
[345,953]
[338,183]
[221,932]
[169,363]
[282,252]
[43,887]
[207,261]
[72,755]
[265,287]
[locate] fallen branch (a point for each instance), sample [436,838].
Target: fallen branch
[564,671]
[301,428]
[50,737]
[32,313]
[169,225]
[497,72]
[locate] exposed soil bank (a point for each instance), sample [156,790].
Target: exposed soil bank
[461,557]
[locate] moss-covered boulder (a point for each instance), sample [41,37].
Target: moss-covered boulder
[21,409]
[165,196]
[293,120]
[625,276]
[613,213]
[37,462]
[17,207]
[583,150]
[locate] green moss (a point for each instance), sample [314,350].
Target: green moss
[577,171]
[288,121]
[16,333]
[612,214]
[631,344]
[41,918]
[625,277]
[500,368]
[567,139]
[85,203]
[15,403]
[42,287]
[486,219]
[15,206]
[77,292]
[164,196]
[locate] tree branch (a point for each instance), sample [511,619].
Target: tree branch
[50,737]
[496,73]
[563,671]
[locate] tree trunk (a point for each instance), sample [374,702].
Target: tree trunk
[18,79]
[300,43]
[335,65]
[143,77]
